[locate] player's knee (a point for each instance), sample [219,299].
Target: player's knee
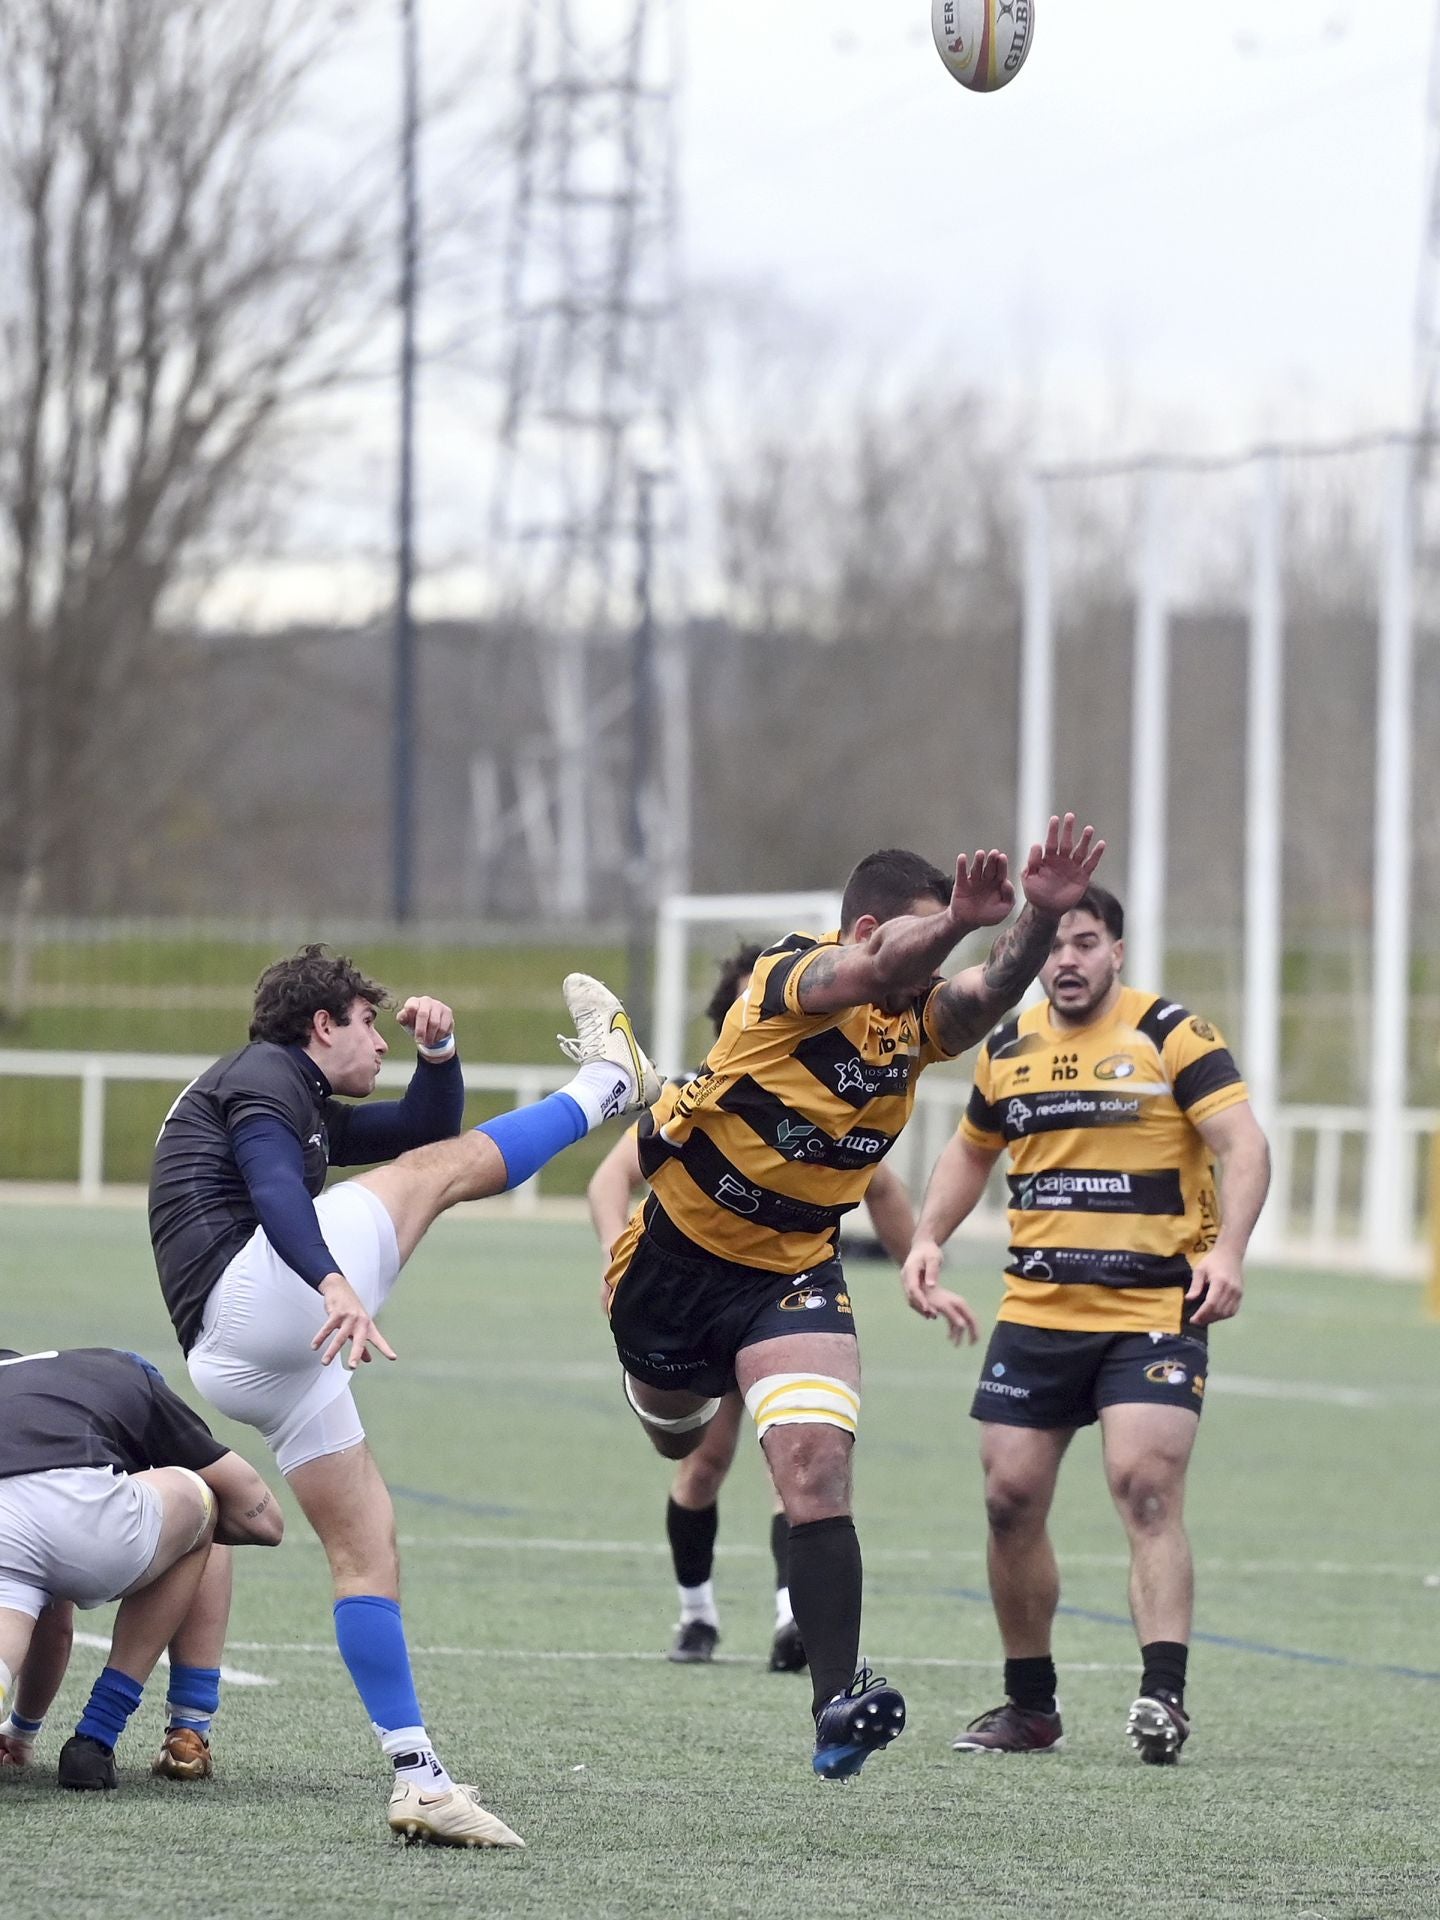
[1013,1506]
[811,1469]
[1147,1498]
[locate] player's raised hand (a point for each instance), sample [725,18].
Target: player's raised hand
[431,1021]
[983,894]
[1057,874]
[347,1319]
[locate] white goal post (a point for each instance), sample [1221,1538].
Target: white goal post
[767,916]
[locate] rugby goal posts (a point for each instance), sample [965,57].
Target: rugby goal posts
[680,925]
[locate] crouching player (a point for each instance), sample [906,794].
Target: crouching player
[110,1489]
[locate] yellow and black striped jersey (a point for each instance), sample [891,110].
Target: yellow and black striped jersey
[776,1136]
[1112,1191]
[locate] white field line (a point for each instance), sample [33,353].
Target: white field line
[895,1556]
[234,1676]
[570,1655]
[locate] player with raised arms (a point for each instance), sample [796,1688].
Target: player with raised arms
[692,1514]
[267,1278]
[727,1275]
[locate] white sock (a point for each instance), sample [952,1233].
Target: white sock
[784,1612]
[600,1089]
[698,1603]
[414,1759]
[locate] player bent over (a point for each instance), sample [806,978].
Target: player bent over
[1112,1105]
[110,1488]
[727,1276]
[267,1278]
[692,1515]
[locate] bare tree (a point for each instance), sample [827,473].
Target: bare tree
[166,299]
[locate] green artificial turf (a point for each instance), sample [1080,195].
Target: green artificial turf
[539,1603]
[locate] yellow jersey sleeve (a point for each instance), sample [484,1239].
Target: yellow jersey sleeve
[981,1123]
[1201,1070]
[774,989]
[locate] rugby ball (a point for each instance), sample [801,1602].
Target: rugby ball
[983,42]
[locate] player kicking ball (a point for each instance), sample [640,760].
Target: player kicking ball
[268,1279]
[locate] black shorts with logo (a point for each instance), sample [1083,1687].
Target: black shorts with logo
[680,1317]
[1050,1377]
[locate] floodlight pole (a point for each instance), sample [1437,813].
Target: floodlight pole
[639,813]
[1149,746]
[402,710]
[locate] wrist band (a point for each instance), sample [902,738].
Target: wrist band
[436,1054]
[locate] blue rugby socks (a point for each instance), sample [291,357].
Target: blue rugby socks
[528,1137]
[193,1698]
[371,1638]
[113,1698]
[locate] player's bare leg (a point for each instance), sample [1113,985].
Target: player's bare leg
[347,1502]
[38,1677]
[691,1523]
[192,1696]
[150,1611]
[1021,1466]
[1147,1451]
[16,1630]
[803,1392]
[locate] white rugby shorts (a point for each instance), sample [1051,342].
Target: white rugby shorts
[254,1361]
[75,1533]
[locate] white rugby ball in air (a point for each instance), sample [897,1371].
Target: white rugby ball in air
[983,42]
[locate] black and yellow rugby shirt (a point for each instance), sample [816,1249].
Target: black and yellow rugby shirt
[1112,1191]
[758,1156]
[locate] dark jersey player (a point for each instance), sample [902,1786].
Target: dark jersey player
[267,1277]
[110,1489]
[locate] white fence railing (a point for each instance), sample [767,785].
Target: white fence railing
[1314,1215]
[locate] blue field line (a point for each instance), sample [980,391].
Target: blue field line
[485,1509]
[1297,1654]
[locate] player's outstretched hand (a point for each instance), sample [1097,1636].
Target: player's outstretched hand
[1218,1285]
[1057,874]
[431,1021]
[347,1320]
[983,894]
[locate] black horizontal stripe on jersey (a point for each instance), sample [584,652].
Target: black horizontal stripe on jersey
[772,1000]
[722,1182]
[1097,1190]
[1023,1115]
[844,1071]
[799,1139]
[986,1116]
[1211,1073]
[1160,1019]
[1103,1267]
[1002,1039]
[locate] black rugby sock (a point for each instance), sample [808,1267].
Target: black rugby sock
[826,1581]
[780,1548]
[692,1531]
[1031,1683]
[1164,1669]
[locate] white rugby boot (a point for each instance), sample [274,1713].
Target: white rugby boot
[603,1033]
[453,1819]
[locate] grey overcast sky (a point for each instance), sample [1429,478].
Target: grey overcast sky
[1200,219]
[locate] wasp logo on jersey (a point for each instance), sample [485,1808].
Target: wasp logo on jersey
[1118,1066]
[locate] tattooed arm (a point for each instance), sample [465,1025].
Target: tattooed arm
[1055,878]
[249,1514]
[900,956]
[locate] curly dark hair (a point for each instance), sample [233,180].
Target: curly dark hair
[290,993]
[727,983]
